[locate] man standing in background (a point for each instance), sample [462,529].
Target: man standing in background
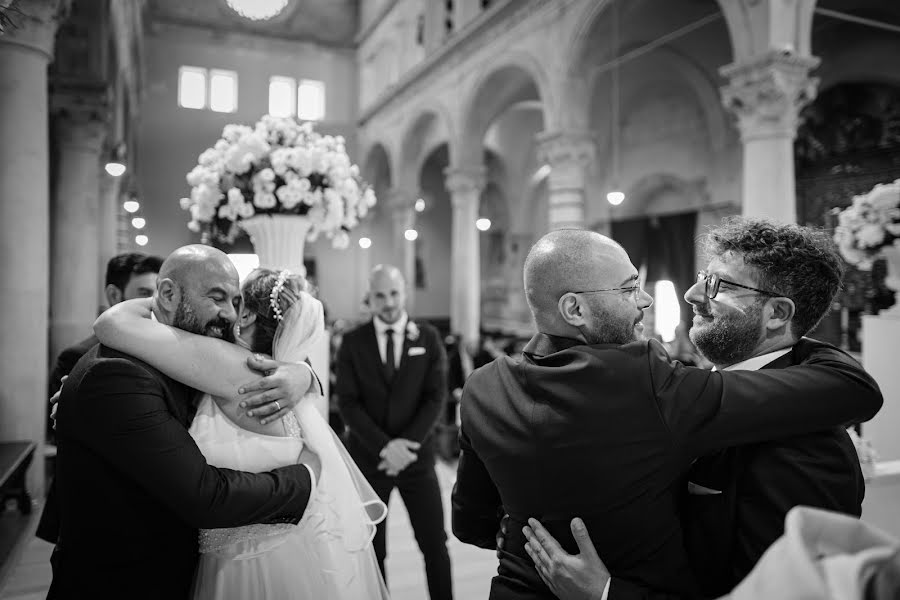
[391,382]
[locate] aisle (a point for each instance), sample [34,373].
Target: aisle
[472,567]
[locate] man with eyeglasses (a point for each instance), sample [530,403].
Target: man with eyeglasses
[598,424]
[765,287]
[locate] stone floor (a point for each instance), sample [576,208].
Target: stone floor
[29,577]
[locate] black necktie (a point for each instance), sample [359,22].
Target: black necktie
[389,366]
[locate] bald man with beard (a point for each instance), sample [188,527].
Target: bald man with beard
[598,423]
[133,486]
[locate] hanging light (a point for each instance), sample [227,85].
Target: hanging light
[131,206]
[138,222]
[257,10]
[420,205]
[411,234]
[615,196]
[483,224]
[141,240]
[365,243]
[116,164]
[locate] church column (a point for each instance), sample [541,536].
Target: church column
[75,231]
[768,85]
[110,190]
[569,155]
[767,96]
[25,53]
[465,185]
[403,217]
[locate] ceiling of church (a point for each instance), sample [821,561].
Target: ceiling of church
[325,21]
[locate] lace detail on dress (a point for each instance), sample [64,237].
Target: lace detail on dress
[215,540]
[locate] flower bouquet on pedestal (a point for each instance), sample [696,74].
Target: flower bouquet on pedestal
[282,183]
[870,229]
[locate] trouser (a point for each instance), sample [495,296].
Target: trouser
[421,494]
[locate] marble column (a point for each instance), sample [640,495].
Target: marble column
[569,155]
[75,226]
[25,53]
[110,190]
[403,217]
[465,185]
[767,94]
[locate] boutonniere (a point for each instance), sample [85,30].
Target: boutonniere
[412,331]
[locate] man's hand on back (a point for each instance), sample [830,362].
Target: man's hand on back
[54,400]
[579,577]
[282,387]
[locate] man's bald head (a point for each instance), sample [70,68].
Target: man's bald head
[568,260]
[198,291]
[387,293]
[572,282]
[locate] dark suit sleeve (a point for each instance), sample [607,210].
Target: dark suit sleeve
[135,432]
[64,364]
[431,398]
[348,388]
[709,410]
[622,589]
[476,505]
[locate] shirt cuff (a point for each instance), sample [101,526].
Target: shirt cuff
[314,382]
[312,490]
[605,594]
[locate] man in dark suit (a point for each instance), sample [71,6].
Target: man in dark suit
[597,424]
[129,275]
[133,486]
[391,382]
[735,502]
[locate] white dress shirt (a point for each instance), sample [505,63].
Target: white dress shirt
[755,363]
[399,328]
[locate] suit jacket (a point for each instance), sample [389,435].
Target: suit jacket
[376,410]
[134,488]
[66,360]
[727,533]
[606,433]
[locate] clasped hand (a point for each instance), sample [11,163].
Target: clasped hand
[282,387]
[398,454]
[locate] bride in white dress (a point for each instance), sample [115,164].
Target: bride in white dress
[329,553]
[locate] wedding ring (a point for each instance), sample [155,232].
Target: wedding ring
[277,406]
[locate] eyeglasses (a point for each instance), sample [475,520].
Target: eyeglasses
[632,289]
[713,281]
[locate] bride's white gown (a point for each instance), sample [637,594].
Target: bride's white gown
[328,555]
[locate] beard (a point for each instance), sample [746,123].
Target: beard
[731,338]
[186,319]
[605,331]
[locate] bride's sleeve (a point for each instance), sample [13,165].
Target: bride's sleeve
[208,364]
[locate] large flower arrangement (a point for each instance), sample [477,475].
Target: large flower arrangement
[277,167]
[868,225]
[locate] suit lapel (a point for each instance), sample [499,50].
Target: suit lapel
[374,354]
[404,355]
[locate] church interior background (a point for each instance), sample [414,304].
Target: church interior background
[481,125]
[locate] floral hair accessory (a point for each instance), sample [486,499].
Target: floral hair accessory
[273,295]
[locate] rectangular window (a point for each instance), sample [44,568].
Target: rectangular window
[311,100]
[223,87]
[282,99]
[192,87]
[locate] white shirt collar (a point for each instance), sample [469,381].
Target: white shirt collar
[755,363]
[399,326]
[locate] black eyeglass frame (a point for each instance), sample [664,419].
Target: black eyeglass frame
[629,288]
[712,280]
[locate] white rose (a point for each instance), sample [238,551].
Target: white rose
[264,200]
[227,212]
[303,184]
[340,240]
[200,212]
[885,196]
[195,177]
[893,228]
[369,197]
[316,214]
[186,203]
[235,197]
[267,174]
[871,235]
[246,210]
[194,226]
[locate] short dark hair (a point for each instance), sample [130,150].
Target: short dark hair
[122,267]
[801,263]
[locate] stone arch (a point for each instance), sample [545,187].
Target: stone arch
[660,194]
[514,77]
[426,131]
[377,169]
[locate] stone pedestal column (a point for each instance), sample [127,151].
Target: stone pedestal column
[569,154]
[74,270]
[25,219]
[403,217]
[465,186]
[767,94]
[110,189]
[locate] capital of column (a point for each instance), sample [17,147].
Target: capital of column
[35,28]
[398,201]
[464,182]
[569,148]
[768,93]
